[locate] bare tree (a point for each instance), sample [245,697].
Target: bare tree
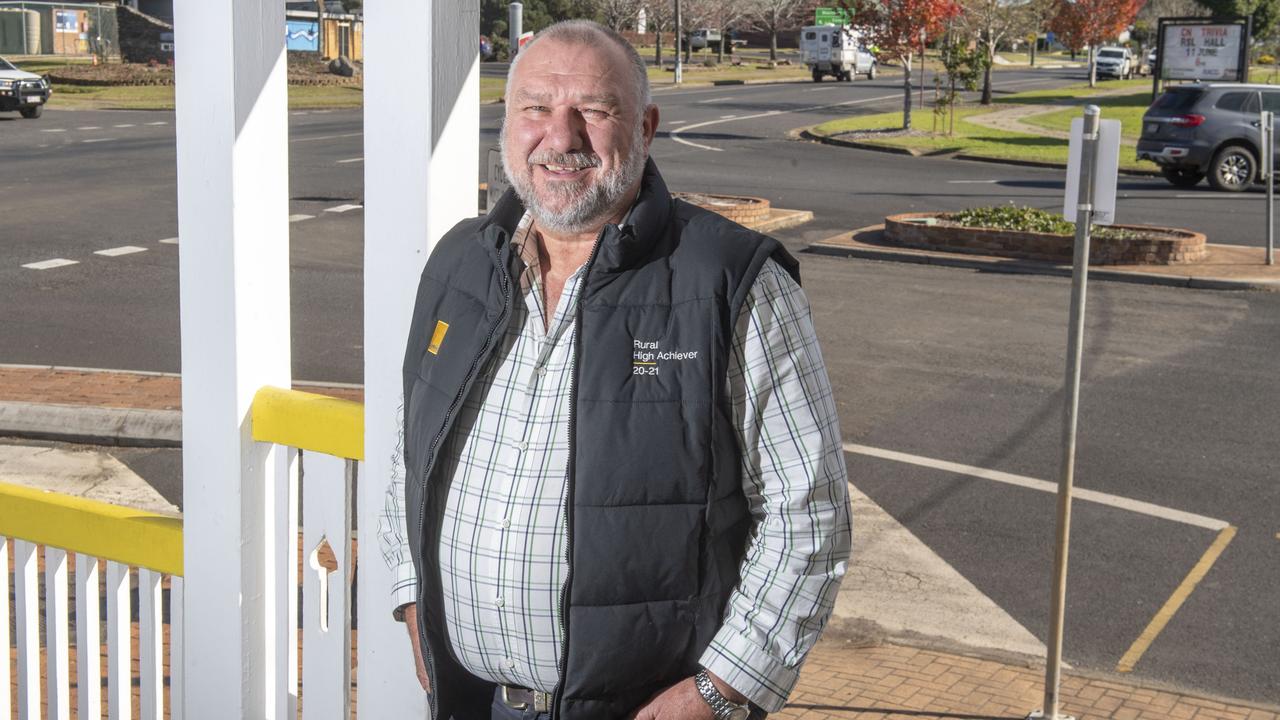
[771,16]
[659,15]
[990,22]
[694,15]
[725,15]
[619,15]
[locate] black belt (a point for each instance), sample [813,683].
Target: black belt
[518,698]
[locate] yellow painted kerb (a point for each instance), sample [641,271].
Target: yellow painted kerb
[125,535]
[309,421]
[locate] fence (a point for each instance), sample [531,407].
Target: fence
[45,28]
[40,528]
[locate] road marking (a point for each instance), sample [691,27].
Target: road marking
[351,160]
[327,137]
[343,208]
[300,218]
[972,182]
[90,127]
[122,250]
[1179,596]
[726,117]
[54,130]
[97,140]
[820,89]
[50,264]
[676,122]
[675,134]
[1094,496]
[1199,196]
[161,122]
[719,99]
[124,125]
[169,241]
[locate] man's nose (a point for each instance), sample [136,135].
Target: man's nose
[567,131]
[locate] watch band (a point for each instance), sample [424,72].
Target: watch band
[723,708]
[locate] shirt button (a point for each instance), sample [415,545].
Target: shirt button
[522,446]
[499,601]
[506,523]
[542,371]
[511,664]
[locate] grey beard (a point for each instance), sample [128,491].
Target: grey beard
[581,210]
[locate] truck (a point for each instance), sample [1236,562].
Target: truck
[835,50]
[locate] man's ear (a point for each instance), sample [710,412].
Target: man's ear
[650,125]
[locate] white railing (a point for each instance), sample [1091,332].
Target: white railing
[74,539]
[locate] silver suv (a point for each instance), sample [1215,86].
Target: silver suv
[1207,130]
[1116,62]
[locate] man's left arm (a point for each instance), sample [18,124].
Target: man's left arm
[795,481]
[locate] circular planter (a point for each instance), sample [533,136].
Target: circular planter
[1155,246]
[740,209]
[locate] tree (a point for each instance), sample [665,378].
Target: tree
[1265,13]
[900,29]
[1090,22]
[725,14]
[771,16]
[618,15]
[659,15]
[992,21]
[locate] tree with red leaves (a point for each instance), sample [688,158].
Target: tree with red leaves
[1090,22]
[900,29]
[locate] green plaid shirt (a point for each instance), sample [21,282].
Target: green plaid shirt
[502,553]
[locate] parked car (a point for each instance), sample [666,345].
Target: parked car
[836,51]
[704,38]
[1116,62]
[22,91]
[1207,130]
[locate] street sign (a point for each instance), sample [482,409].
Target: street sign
[1104,174]
[831,16]
[498,182]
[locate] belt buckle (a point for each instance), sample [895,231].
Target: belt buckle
[506,700]
[541,701]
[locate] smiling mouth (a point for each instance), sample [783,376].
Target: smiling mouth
[562,169]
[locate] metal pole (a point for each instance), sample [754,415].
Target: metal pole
[1075,346]
[679,45]
[1268,165]
[515,28]
[922,38]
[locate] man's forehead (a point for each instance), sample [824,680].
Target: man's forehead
[552,66]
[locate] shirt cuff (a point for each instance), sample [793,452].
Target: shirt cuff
[405,589]
[765,680]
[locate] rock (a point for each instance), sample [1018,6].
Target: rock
[341,65]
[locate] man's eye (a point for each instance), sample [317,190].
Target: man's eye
[595,112]
[536,108]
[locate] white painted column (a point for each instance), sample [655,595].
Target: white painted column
[421,169]
[232,151]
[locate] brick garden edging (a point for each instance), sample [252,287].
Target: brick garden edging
[740,209]
[1171,247]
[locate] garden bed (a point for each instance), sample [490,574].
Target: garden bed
[1111,245]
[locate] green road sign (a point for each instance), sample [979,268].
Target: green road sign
[831,16]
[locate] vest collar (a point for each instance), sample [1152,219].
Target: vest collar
[620,247]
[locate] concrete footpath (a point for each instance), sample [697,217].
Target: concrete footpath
[910,637]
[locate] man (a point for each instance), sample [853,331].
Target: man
[624,494]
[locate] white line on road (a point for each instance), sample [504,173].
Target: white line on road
[169,241]
[676,122]
[675,134]
[327,137]
[1115,501]
[351,160]
[96,140]
[1198,196]
[719,99]
[727,117]
[90,127]
[300,218]
[54,130]
[820,89]
[49,264]
[343,208]
[972,182]
[124,125]
[122,250]
[161,122]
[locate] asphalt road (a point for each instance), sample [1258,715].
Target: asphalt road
[1179,406]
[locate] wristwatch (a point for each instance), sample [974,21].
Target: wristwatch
[720,705]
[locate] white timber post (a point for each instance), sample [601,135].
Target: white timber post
[232,158]
[421,136]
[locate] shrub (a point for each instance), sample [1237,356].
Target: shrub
[1266,60]
[1011,217]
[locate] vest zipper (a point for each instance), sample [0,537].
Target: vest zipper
[558,695]
[431,452]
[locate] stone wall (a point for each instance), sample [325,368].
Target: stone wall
[143,38]
[1164,246]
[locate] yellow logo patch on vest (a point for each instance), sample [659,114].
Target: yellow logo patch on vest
[437,337]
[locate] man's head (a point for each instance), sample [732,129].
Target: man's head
[578,125]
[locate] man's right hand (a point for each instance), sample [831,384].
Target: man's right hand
[419,660]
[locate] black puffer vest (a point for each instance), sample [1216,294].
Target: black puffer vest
[658,524]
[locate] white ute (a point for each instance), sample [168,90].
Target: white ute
[837,51]
[22,91]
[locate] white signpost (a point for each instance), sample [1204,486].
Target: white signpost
[1091,193]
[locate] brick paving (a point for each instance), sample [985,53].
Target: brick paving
[840,681]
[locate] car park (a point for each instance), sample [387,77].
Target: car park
[1208,130]
[1115,62]
[22,91]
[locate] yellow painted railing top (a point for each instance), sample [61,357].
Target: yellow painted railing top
[125,535]
[309,421]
